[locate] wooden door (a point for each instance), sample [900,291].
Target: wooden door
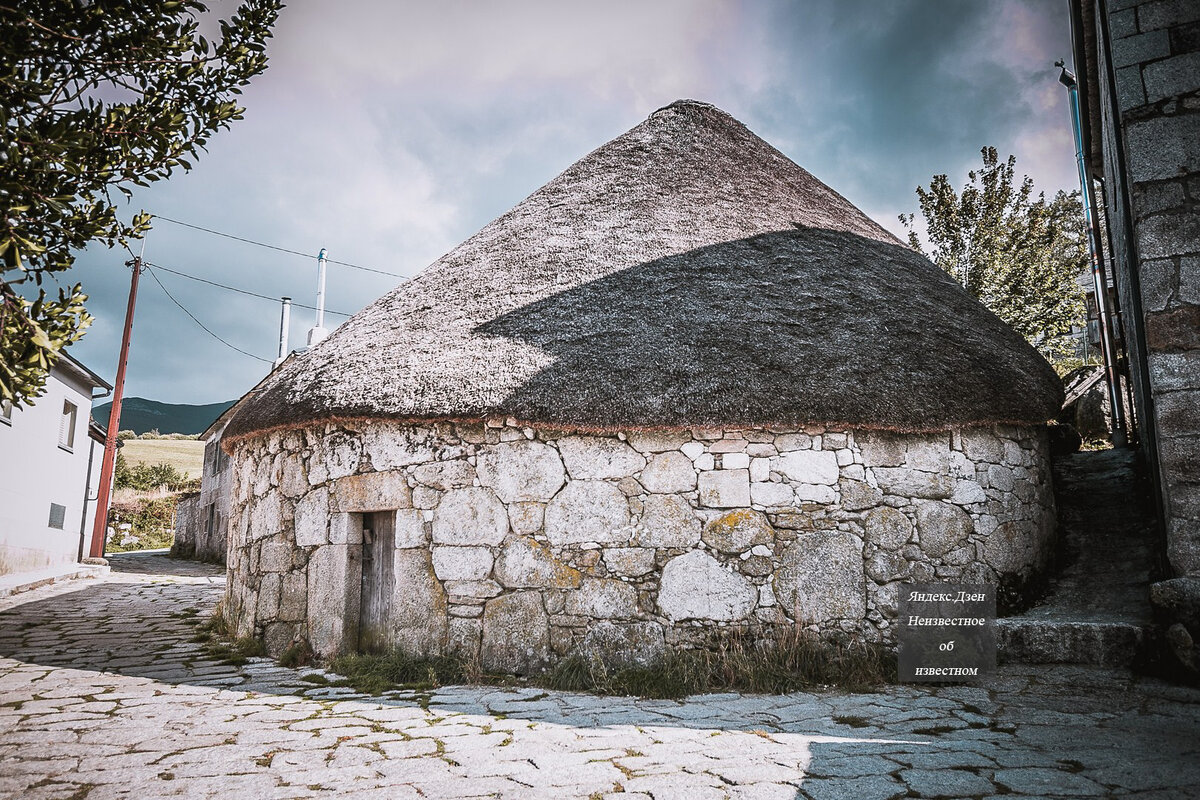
[378,582]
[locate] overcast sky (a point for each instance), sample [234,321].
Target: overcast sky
[388,132]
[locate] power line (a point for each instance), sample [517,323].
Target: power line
[275,247]
[198,322]
[235,289]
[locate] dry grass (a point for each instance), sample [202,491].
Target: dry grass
[185,455]
[133,496]
[793,660]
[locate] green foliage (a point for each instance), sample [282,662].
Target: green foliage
[96,98]
[152,521]
[1067,365]
[32,333]
[146,478]
[1018,254]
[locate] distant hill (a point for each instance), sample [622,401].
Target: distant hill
[140,415]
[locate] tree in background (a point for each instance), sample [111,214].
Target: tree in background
[97,97]
[1020,255]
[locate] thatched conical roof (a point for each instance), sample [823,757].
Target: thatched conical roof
[685,273]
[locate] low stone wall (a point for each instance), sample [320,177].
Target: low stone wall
[524,545]
[200,527]
[188,526]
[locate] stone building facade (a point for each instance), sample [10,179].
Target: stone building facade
[464,465]
[521,545]
[202,519]
[1139,62]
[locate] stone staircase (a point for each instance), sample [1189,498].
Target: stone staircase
[1097,610]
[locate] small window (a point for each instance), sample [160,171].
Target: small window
[6,412]
[66,426]
[58,515]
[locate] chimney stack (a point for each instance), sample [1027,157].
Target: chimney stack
[318,332]
[285,316]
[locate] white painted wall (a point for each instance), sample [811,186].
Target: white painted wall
[36,471]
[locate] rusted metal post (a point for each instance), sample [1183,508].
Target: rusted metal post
[100,528]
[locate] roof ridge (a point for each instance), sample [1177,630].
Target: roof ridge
[685,103]
[685,272]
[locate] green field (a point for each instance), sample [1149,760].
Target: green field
[185,455]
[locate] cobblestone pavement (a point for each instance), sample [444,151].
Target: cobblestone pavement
[102,694]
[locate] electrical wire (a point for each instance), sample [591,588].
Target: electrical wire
[239,291]
[274,247]
[198,322]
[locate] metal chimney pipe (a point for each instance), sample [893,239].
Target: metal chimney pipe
[285,316]
[318,332]
[1099,280]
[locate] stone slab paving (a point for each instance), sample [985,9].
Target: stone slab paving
[104,695]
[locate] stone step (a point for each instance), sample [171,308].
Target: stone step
[1022,640]
[1096,611]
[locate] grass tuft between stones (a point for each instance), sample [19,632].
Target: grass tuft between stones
[218,642]
[298,655]
[375,673]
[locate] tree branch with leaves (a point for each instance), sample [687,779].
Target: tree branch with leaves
[96,98]
[1018,253]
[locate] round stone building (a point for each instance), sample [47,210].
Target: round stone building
[684,386]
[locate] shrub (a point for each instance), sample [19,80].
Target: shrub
[146,477]
[151,521]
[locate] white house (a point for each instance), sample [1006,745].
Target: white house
[50,455]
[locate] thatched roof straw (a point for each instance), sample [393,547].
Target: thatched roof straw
[686,273]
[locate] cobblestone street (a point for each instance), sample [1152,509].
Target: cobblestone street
[103,694]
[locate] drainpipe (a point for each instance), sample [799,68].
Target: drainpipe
[1099,281]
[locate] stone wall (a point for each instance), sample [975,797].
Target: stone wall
[1151,116]
[524,545]
[202,521]
[187,526]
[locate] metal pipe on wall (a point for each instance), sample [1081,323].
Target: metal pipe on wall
[1099,279]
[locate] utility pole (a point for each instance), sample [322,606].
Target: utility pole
[100,528]
[318,332]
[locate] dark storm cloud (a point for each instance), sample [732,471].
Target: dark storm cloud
[388,132]
[881,96]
